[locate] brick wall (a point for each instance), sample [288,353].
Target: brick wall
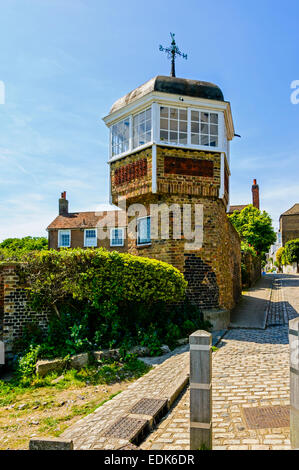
[130,176]
[253,269]
[191,177]
[289,227]
[16,312]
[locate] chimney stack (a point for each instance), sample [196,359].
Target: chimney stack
[255,195]
[63,204]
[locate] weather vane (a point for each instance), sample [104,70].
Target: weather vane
[172,52]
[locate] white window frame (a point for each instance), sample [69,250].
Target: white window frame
[137,240]
[112,230]
[169,130]
[223,142]
[95,238]
[134,116]
[129,140]
[64,232]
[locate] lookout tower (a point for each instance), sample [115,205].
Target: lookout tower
[170,146]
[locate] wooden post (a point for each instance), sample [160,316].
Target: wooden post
[294,382]
[200,391]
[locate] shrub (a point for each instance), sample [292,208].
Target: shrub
[26,364]
[96,276]
[105,299]
[291,252]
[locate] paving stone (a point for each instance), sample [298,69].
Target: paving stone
[258,365]
[250,369]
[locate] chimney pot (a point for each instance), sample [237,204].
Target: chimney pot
[255,194]
[63,204]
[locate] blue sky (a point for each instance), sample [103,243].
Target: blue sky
[64,62]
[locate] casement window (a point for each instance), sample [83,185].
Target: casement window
[120,137]
[173,125]
[204,128]
[176,126]
[90,237]
[117,237]
[64,239]
[142,128]
[144,231]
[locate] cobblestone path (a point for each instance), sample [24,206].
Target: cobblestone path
[250,370]
[163,382]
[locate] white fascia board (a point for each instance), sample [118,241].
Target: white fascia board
[173,100]
[222,170]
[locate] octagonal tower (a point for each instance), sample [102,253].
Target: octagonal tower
[170,151]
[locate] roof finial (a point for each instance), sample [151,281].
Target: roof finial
[172,52]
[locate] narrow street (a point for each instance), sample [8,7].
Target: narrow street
[250,372]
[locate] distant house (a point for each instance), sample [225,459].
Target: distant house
[87,229]
[289,224]
[255,200]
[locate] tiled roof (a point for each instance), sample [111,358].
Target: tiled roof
[292,211]
[86,220]
[232,209]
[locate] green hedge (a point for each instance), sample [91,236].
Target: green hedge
[97,275]
[105,299]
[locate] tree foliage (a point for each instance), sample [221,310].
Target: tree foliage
[254,227]
[291,251]
[15,248]
[280,257]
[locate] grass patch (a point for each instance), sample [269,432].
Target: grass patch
[105,373]
[55,426]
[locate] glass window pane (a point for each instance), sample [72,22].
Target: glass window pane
[120,136]
[214,118]
[204,128]
[141,126]
[173,125]
[164,111]
[173,113]
[117,237]
[204,140]
[183,126]
[194,127]
[164,135]
[183,138]
[173,137]
[148,114]
[144,231]
[164,123]
[213,129]
[213,141]
[194,116]
[204,117]
[183,114]
[194,139]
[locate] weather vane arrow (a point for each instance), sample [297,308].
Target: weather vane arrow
[172,52]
